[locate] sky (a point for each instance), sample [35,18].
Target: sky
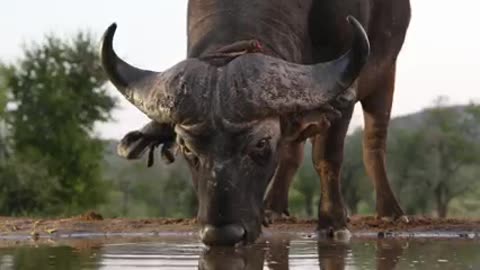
[441,54]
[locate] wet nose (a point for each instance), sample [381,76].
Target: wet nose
[228,235]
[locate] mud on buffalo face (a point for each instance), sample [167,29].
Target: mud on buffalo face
[231,120]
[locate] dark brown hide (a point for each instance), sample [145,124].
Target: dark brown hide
[223,92]
[386,23]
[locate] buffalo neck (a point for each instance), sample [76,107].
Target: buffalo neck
[278,25]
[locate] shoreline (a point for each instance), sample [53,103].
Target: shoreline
[93,226]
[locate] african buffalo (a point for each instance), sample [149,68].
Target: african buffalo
[261,77]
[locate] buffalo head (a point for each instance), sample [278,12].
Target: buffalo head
[231,120]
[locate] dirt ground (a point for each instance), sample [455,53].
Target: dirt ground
[93,223]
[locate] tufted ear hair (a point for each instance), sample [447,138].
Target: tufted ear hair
[300,127]
[135,143]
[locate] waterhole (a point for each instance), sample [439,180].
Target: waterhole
[186,252]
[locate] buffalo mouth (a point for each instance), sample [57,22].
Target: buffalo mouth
[227,235]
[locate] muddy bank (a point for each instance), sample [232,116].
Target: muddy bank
[93,224]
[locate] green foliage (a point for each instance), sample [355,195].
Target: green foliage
[408,171]
[137,191]
[171,195]
[449,150]
[166,190]
[58,91]
[3,108]
[413,166]
[306,184]
[58,94]
[26,189]
[433,159]
[437,160]
[355,184]
[3,91]
[356,187]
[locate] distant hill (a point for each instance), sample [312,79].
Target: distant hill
[117,166]
[121,169]
[418,119]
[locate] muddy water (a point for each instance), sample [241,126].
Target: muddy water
[272,253]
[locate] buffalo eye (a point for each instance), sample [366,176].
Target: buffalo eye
[262,144]
[260,150]
[187,150]
[189,154]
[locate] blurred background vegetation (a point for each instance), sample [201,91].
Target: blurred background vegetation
[53,164]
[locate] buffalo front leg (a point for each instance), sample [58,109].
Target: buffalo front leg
[276,202]
[327,155]
[376,111]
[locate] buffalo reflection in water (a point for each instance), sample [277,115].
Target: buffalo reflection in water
[274,255]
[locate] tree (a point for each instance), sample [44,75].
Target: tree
[410,169]
[58,91]
[450,152]
[3,92]
[137,191]
[355,184]
[435,159]
[26,188]
[3,108]
[307,181]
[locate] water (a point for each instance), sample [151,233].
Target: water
[184,252]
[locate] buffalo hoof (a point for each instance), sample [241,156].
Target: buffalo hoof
[340,235]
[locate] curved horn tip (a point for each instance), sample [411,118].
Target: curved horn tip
[112,27]
[106,50]
[361,36]
[109,33]
[351,19]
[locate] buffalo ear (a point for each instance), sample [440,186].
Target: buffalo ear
[299,127]
[135,143]
[169,151]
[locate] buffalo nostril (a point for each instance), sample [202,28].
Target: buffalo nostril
[228,235]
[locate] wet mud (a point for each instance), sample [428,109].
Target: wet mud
[93,225]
